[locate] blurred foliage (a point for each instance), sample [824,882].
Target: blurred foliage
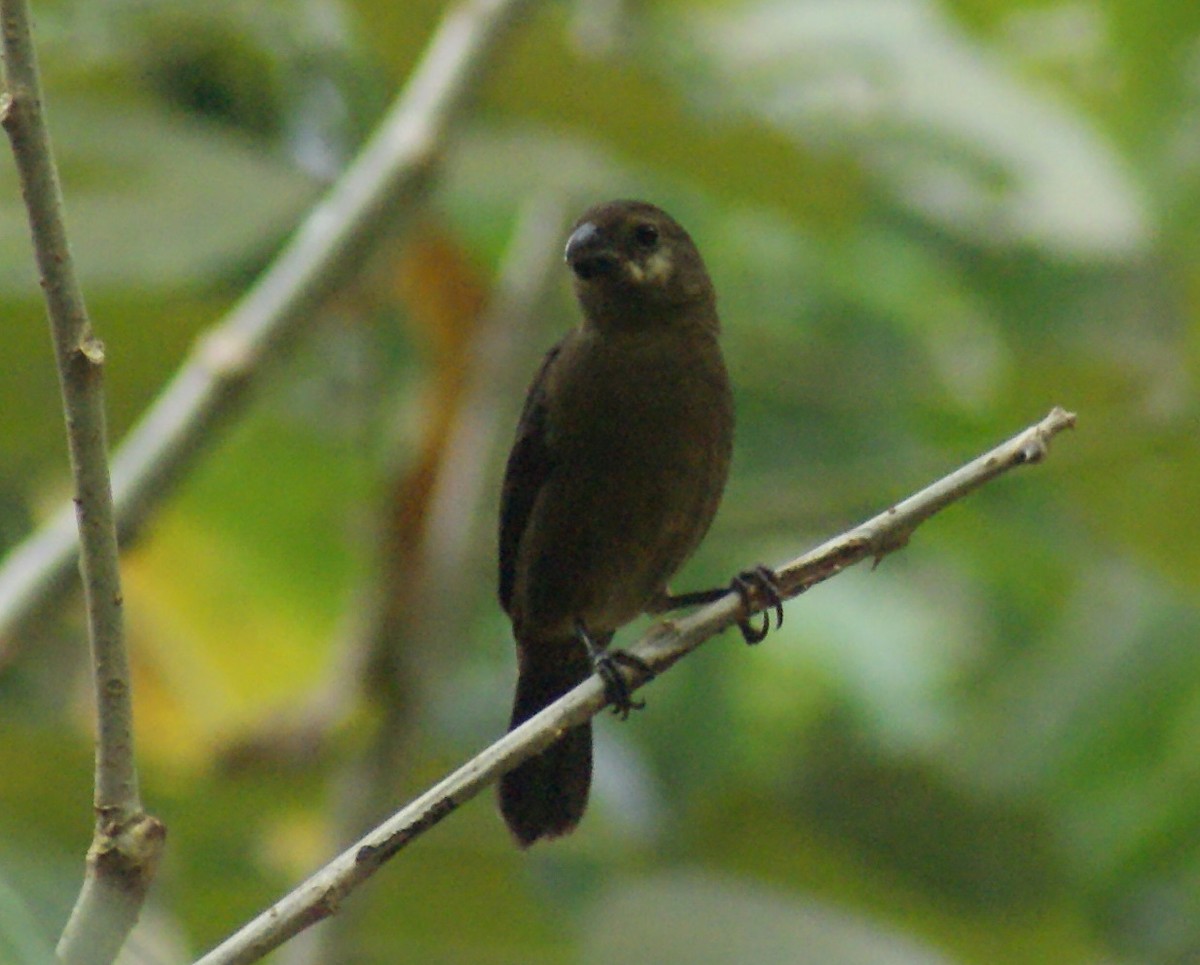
[928,222]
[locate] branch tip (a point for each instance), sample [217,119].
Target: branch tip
[1037,445]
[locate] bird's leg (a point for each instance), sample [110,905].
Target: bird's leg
[604,662]
[761,580]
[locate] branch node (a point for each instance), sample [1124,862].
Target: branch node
[1033,451]
[328,904]
[885,542]
[92,349]
[127,854]
[226,354]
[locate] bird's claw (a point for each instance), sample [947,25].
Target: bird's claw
[763,581]
[604,662]
[615,687]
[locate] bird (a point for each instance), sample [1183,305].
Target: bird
[621,456]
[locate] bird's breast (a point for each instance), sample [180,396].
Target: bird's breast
[641,433]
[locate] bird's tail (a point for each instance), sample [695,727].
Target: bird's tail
[546,795]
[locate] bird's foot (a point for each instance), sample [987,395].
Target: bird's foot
[615,687]
[763,581]
[607,664]
[760,581]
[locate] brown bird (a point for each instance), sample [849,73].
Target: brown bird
[620,460]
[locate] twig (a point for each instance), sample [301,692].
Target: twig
[127,841]
[378,192]
[321,895]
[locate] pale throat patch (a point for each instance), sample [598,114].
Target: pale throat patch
[657,268]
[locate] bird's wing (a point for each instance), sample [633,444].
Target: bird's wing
[529,465]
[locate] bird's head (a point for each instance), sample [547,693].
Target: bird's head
[632,262]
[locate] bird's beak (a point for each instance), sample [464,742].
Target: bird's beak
[588,252]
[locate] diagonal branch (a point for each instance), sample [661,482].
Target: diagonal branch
[127,841]
[321,895]
[379,192]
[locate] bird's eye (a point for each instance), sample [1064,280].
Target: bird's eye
[646,235]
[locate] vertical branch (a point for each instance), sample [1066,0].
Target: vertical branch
[126,843]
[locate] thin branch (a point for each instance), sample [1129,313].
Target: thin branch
[127,842]
[322,894]
[379,192]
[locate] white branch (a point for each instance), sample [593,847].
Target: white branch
[320,896]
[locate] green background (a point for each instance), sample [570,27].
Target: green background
[928,223]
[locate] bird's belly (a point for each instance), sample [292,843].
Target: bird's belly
[610,529]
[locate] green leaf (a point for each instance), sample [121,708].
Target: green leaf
[942,123]
[701,919]
[153,200]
